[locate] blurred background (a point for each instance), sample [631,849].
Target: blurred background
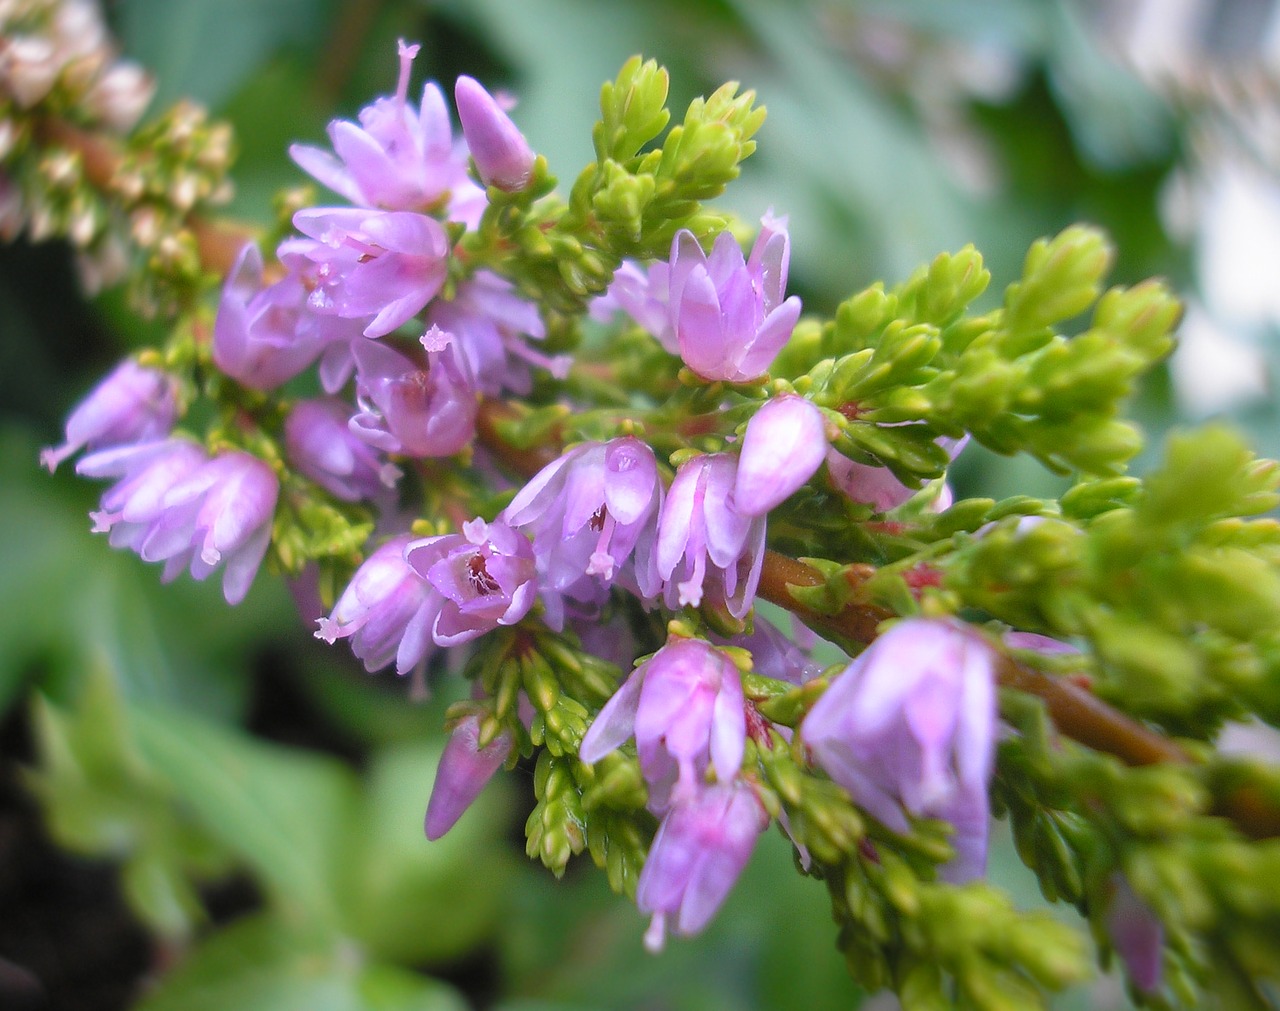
[186,784]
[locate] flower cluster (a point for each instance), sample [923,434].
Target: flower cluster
[359,368]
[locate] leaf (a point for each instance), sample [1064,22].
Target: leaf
[284,812]
[261,963]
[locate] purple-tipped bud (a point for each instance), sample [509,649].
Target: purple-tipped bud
[697,855]
[464,770]
[502,155]
[728,314]
[910,724]
[785,444]
[1138,937]
[387,611]
[322,446]
[133,404]
[685,708]
[485,574]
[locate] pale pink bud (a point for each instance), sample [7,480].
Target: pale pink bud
[785,444]
[464,770]
[502,155]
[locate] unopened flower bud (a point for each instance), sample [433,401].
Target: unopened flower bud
[785,444]
[502,155]
[464,770]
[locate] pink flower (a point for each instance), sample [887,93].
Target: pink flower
[700,849]
[322,446]
[133,404]
[785,444]
[910,726]
[485,574]
[502,155]
[685,708]
[387,611]
[464,769]
[729,314]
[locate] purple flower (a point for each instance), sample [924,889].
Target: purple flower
[265,335]
[685,708]
[586,512]
[728,314]
[490,322]
[407,407]
[644,295]
[910,724]
[387,610]
[382,264]
[133,404]
[700,533]
[464,769]
[700,850]
[173,504]
[322,446]
[398,158]
[785,443]
[1138,936]
[877,486]
[502,155]
[485,574]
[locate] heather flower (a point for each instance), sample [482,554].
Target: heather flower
[503,157]
[321,446]
[877,486]
[701,534]
[264,335]
[410,407]
[398,158]
[387,611]
[685,708]
[729,314]
[775,654]
[174,505]
[644,295]
[586,512]
[1138,936]
[133,404]
[386,265]
[785,443]
[490,322]
[464,769]
[910,726]
[699,851]
[485,574]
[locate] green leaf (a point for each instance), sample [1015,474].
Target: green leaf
[285,813]
[263,963]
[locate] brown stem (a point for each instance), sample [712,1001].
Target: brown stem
[1075,711]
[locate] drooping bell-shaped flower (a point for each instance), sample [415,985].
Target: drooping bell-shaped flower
[486,575]
[644,294]
[685,708]
[133,404]
[491,323]
[586,511]
[783,447]
[264,335]
[387,611]
[424,407]
[379,266]
[397,158]
[729,314]
[701,536]
[698,853]
[464,769]
[321,445]
[172,504]
[502,155]
[910,726]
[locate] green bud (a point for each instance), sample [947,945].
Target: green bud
[633,110]
[1061,277]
